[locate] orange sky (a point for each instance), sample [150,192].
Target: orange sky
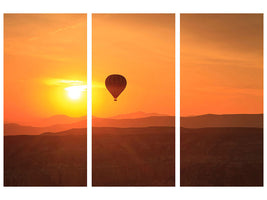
[221,63]
[43,55]
[140,47]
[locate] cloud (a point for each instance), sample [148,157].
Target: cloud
[64,82]
[230,91]
[65,28]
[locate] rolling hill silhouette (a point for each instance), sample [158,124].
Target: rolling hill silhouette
[134,149]
[50,121]
[138,122]
[59,119]
[229,120]
[221,150]
[16,129]
[74,131]
[136,115]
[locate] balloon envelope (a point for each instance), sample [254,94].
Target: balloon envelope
[115,84]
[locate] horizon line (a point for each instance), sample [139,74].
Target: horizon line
[221,114]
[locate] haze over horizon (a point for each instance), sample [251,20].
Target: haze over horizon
[65,119]
[220,114]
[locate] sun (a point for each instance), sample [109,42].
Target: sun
[75,92]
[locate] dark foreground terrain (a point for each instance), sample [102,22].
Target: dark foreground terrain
[221,157]
[50,159]
[133,156]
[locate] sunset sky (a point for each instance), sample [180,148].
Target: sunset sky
[221,63]
[45,66]
[141,47]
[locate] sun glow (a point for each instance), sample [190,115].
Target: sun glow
[75,92]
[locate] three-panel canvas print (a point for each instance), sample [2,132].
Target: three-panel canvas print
[134,123]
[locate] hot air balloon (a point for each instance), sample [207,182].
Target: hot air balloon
[115,84]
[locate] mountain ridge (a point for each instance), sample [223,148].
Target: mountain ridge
[49,121]
[138,122]
[135,115]
[17,129]
[227,120]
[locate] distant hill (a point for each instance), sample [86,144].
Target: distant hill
[139,122]
[60,119]
[74,131]
[229,120]
[50,121]
[135,115]
[16,129]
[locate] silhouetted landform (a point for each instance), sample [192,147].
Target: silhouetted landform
[16,129]
[58,159]
[74,131]
[50,121]
[139,122]
[133,156]
[231,120]
[135,115]
[221,157]
[59,119]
